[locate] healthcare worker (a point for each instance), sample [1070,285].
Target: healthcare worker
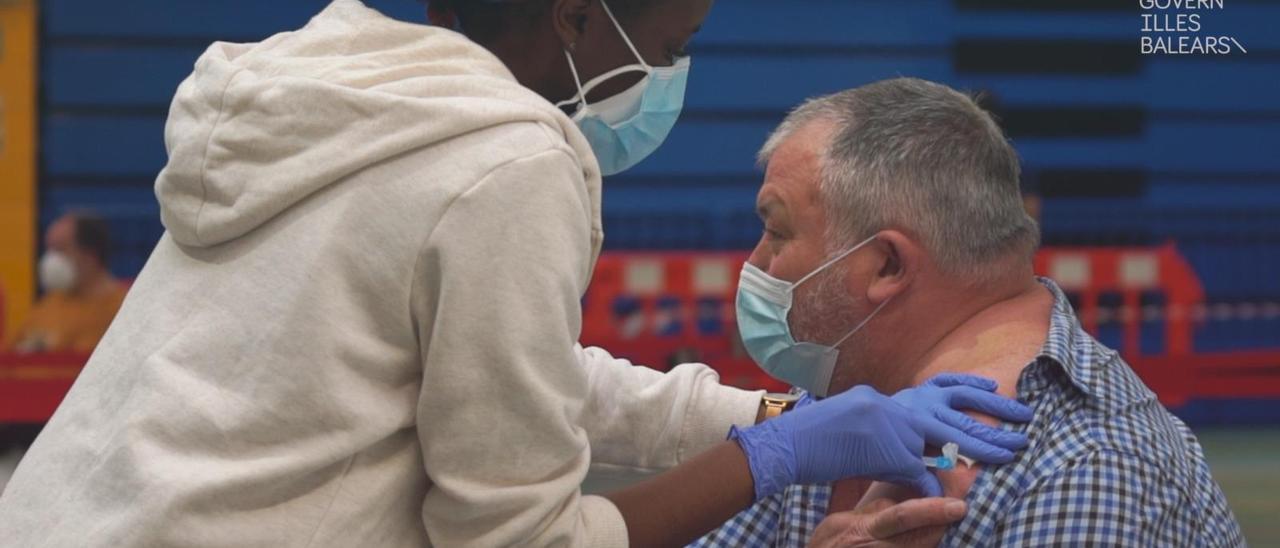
[359,328]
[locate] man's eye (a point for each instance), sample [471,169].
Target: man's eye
[773,234]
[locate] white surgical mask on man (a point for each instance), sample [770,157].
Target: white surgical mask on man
[57,272]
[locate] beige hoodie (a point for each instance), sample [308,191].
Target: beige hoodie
[359,329]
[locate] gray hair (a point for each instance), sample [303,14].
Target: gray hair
[923,158]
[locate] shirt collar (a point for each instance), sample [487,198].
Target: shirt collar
[1067,350]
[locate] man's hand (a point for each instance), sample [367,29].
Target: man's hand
[881,523]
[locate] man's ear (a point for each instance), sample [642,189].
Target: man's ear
[899,260]
[569,19]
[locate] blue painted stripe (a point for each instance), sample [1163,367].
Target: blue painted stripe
[132,145]
[148,76]
[826,22]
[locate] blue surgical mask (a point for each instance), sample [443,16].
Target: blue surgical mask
[762,307]
[628,127]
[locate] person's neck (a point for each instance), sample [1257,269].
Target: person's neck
[548,78]
[994,334]
[94,282]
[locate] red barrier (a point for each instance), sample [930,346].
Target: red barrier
[659,309]
[32,386]
[678,308]
[1130,272]
[1220,375]
[1177,374]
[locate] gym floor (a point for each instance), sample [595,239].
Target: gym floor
[1241,460]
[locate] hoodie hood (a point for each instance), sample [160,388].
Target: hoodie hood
[259,127]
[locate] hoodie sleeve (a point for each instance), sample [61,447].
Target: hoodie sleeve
[641,421]
[496,303]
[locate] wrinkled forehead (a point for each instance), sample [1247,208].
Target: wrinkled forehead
[794,172]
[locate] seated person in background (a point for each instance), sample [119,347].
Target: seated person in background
[81,296]
[908,192]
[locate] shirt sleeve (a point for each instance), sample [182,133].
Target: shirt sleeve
[641,421]
[498,313]
[1104,498]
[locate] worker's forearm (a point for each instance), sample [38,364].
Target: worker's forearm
[686,502]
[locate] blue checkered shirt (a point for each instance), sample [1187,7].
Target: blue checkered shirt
[1107,466]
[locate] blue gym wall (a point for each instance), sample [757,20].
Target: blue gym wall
[1125,149]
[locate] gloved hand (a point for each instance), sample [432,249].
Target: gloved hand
[862,433]
[938,400]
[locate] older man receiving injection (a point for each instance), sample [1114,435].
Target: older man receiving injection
[895,207]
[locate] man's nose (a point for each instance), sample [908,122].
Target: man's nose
[760,256]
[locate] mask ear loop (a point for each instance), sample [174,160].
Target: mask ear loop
[581,98]
[831,262]
[834,260]
[582,95]
[864,322]
[623,33]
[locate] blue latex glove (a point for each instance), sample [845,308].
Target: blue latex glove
[862,433]
[939,399]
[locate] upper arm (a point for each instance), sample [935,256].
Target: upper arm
[496,303]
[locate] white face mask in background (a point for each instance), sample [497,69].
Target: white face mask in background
[57,272]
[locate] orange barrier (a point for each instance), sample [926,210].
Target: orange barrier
[19,137]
